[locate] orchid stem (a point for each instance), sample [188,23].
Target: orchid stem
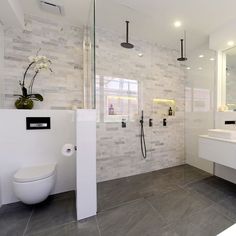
[32,82]
[23,82]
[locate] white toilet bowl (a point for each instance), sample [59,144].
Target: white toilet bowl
[34,184]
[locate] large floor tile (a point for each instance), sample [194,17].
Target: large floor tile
[13,219]
[227,207]
[177,204]
[116,192]
[159,184]
[52,213]
[184,175]
[208,222]
[214,188]
[86,228]
[137,218]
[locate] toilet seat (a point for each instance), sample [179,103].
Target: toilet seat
[34,173]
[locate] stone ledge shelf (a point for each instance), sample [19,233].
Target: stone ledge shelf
[218,150]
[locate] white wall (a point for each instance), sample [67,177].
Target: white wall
[20,147]
[1,63]
[1,82]
[86,184]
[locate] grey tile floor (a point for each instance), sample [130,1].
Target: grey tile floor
[178,201]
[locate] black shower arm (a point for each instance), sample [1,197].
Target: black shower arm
[127,31]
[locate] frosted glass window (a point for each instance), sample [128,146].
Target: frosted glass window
[134,87]
[117,99]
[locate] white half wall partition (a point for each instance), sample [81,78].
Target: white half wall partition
[86,193]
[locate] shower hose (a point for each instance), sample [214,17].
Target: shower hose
[142,139]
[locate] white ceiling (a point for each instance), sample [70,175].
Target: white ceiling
[77,12]
[150,19]
[153,19]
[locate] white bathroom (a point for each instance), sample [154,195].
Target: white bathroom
[117,117]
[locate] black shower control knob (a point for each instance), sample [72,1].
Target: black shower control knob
[150,123]
[164,122]
[123,123]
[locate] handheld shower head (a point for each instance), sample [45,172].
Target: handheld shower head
[142,138]
[141,121]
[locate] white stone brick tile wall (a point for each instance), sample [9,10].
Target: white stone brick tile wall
[62,44]
[160,76]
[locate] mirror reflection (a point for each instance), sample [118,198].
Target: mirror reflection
[230,73]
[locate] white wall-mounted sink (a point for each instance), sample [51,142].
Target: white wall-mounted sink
[222,133]
[219,150]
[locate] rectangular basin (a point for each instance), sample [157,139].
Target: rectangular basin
[222,133]
[220,151]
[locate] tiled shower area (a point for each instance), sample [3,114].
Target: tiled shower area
[131,82]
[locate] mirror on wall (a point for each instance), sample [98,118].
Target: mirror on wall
[229,68]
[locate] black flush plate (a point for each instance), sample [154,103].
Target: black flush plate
[38,123]
[230,122]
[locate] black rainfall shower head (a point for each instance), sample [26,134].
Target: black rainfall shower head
[127,44]
[182,59]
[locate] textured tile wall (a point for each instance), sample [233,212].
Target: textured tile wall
[60,43]
[160,76]
[158,73]
[1,65]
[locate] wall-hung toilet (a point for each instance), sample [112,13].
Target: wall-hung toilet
[34,184]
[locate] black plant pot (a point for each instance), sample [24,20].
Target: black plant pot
[24,103]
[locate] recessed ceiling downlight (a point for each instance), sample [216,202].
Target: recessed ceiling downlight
[188,68]
[201,56]
[177,24]
[230,43]
[212,59]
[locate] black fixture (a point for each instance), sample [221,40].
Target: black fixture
[164,122]
[230,122]
[183,49]
[127,44]
[142,139]
[150,123]
[123,123]
[38,123]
